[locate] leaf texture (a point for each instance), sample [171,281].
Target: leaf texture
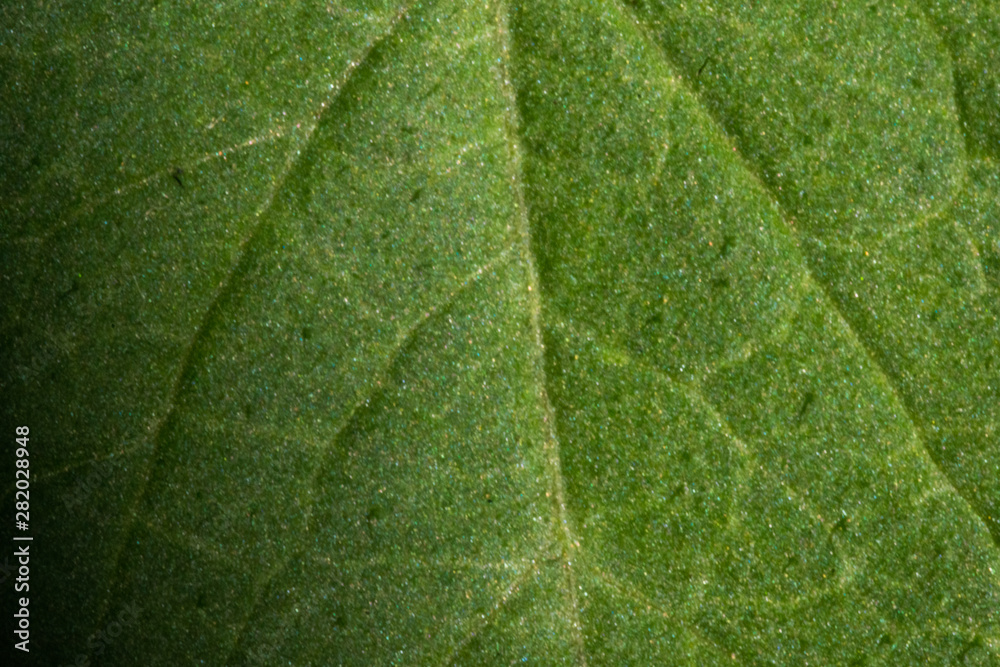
[619,332]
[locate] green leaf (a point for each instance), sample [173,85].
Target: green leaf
[611,332]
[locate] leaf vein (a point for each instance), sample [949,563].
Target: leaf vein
[627,591]
[550,437]
[874,359]
[239,268]
[406,336]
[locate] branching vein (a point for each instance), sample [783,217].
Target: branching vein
[875,359]
[238,269]
[551,441]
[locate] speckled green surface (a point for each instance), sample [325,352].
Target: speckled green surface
[597,333]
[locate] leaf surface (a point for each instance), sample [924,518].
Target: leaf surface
[452,333]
